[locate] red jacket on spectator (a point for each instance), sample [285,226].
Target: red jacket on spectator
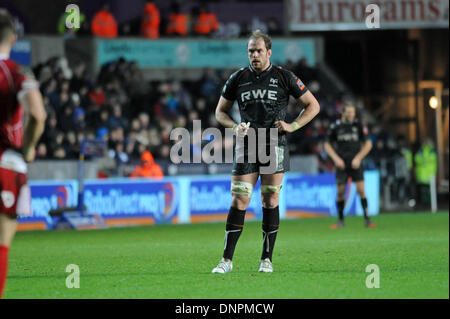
[104,25]
[148,168]
[206,23]
[177,24]
[150,21]
[98,97]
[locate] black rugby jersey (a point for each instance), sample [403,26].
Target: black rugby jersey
[263,98]
[348,138]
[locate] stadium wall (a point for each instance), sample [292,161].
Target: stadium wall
[163,58]
[189,199]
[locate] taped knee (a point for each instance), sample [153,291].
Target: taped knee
[271,188]
[242,188]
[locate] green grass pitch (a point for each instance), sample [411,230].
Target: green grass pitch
[175,261]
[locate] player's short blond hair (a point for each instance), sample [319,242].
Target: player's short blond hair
[6,25]
[258,34]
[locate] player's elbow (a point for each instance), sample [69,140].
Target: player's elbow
[316,107]
[327,147]
[219,115]
[41,116]
[369,145]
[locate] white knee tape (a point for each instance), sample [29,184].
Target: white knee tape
[270,188]
[242,188]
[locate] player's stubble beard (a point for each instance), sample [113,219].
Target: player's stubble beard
[263,63]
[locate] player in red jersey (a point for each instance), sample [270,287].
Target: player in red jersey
[19,95]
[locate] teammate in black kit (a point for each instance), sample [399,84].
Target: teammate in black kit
[262,91]
[347,135]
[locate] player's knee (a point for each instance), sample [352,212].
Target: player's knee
[361,193]
[341,194]
[240,201]
[8,226]
[270,195]
[270,201]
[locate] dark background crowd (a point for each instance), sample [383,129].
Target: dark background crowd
[133,115]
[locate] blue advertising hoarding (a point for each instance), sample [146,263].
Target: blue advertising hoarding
[190,199]
[139,202]
[21,52]
[315,195]
[210,199]
[46,196]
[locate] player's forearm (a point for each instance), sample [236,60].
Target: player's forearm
[310,112]
[224,119]
[34,127]
[33,132]
[364,150]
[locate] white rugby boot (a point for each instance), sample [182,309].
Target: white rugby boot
[223,267]
[265,265]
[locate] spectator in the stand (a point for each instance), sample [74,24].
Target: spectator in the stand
[425,161]
[206,22]
[104,24]
[41,151]
[97,96]
[51,128]
[61,101]
[50,90]
[103,119]
[273,27]
[66,122]
[209,85]
[79,118]
[304,68]
[72,148]
[118,153]
[144,121]
[150,21]
[116,119]
[102,134]
[59,153]
[402,170]
[79,78]
[178,22]
[149,168]
[80,137]
[57,143]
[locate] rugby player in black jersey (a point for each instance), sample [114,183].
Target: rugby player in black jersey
[262,91]
[347,145]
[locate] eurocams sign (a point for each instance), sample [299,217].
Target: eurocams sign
[338,15]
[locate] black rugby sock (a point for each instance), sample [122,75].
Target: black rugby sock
[233,230]
[270,225]
[364,206]
[340,207]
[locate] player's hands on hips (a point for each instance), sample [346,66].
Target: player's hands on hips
[356,162]
[282,126]
[29,154]
[340,163]
[242,129]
